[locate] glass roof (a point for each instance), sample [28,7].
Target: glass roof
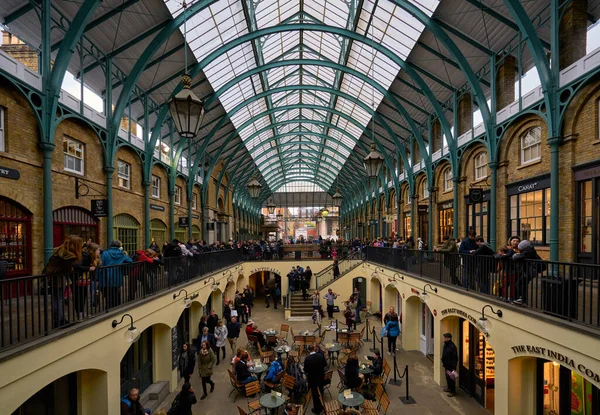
[276,149]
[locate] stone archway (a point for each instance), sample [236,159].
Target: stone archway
[375,295]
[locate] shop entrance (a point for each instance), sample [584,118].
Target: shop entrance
[426,334]
[136,365]
[361,284]
[258,281]
[476,365]
[58,397]
[423,223]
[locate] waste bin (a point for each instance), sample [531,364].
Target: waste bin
[559,296]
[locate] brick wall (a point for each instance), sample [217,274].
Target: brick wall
[505,82]
[573,32]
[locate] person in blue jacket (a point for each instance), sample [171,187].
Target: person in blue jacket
[110,278]
[393,331]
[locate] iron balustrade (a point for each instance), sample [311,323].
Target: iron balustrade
[38,305]
[565,290]
[326,277]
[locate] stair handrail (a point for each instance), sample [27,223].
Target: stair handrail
[329,269]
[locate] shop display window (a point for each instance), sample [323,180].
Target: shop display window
[465,345]
[551,388]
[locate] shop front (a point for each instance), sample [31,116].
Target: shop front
[476,365]
[407,225]
[423,218]
[587,220]
[477,207]
[529,209]
[445,220]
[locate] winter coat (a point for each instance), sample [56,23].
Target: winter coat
[527,269]
[113,276]
[61,262]
[393,328]
[274,370]
[485,265]
[450,247]
[187,361]
[221,335]
[172,250]
[212,322]
[449,356]
[185,403]
[129,407]
[142,257]
[206,363]
[233,330]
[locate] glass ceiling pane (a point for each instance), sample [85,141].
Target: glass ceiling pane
[225,21]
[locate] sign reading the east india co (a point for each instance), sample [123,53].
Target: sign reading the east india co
[558,357]
[461,313]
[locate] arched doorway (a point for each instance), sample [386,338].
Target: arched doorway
[136,365]
[126,229]
[196,232]
[392,299]
[73,220]
[259,280]
[181,233]
[375,296]
[426,330]
[360,283]
[158,231]
[15,238]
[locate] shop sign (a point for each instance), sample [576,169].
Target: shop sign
[195,216]
[423,209]
[461,313]
[157,207]
[529,185]
[7,173]
[587,173]
[557,357]
[267,269]
[99,208]
[447,205]
[210,226]
[183,222]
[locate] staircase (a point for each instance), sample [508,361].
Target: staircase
[325,277]
[300,307]
[154,395]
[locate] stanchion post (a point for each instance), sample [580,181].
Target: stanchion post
[382,352]
[407,400]
[336,330]
[395,381]
[367,339]
[372,349]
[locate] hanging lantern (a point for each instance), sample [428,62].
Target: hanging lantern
[254,187]
[373,162]
[279,216]
[271,207]
[187,110]
[337,198]
[324,212]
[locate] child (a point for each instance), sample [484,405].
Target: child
[334,254]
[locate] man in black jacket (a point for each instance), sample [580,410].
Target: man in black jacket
[485,262]
[233,332]
[449,361]
[314,367]
[212,321]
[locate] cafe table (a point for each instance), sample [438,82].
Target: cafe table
[270,332]
[333,348]
[354,400]
[281,350]
[272,402]
[258,369]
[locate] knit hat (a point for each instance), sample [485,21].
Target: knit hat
[513,237]
[524,245]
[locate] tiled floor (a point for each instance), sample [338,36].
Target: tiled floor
[429,397]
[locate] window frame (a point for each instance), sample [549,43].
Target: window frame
[2,130]
[124,180]
[545,218]
[424,189]
[153,187]
[194,201]
[66,154]
[537,144]
[177,195]
[448,172]
[479,167]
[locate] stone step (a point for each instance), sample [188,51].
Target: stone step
[296,313]
[154,395]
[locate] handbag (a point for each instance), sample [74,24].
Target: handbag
[384,332]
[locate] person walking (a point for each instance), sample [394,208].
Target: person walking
[206,361]
[330,298]
[449,362]
[211,321]
[220,339]
[186,399]
[276,296]
[233,333]
[314,367]
[392,331]
[187,362]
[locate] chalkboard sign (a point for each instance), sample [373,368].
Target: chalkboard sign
[175,347]
[100,208]
[183,222]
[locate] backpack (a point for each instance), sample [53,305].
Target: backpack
[174,410]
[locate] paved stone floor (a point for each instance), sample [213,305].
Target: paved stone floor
[429,397]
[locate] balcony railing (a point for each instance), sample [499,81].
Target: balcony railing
[36,306]
[565,290]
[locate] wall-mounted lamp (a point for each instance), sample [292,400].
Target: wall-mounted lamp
[374,274]
[483,323]
[379,269]
[131,334]
[424,296]
[188,299]
[215,284]
[229,275]
[396,277]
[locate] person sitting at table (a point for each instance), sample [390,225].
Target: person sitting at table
[250,327]
[353,377]
[242,373]
[349,315]
[274,370]
[238,355]
[377,364]
[259,335]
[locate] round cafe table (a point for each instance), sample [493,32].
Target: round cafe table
[365,371]
[272,402]
[258,370]
[281,350]
[333,348]
[354,402]
[270,332]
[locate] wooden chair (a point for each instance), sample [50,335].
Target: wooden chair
[321,340]
[382,379]
[288,383]
[362,334]
[252,342]
[331,407]
[354,340]
[374,405]
[343,338]
[242,412]
[384,404]
[367,309]
[296,410]
[283,333]
[265,356]
[237,387]
[275,384]
[342,382]
[308,340]
[328,378]
[271,340]
[251,390]
[299,343]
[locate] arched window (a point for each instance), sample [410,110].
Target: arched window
[15,238]
[531,147]
[72,220]
[126,229]
[158,231]
[195,232]
[448,183]
[425,189]
[481,169]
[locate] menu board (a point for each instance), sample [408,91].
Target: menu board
[175,347]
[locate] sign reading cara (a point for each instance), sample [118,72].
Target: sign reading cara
[461,313]
[557,357]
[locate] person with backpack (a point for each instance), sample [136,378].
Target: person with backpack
[130,404]
[182,405]
[392,331]
[295,370]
